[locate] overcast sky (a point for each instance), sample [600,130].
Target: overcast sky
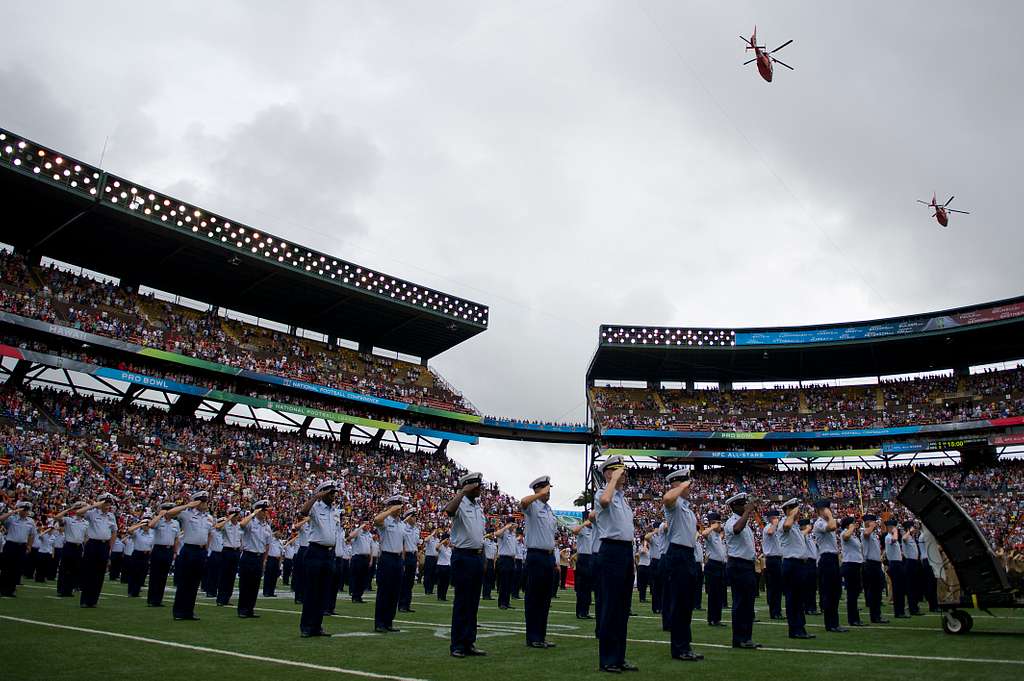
[567,164]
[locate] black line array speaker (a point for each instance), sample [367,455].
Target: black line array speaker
[956,532]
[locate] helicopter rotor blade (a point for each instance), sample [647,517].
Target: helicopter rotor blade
[924,202]
[782,45]
[750,62]
[954,210]
[950,201]
[783,64]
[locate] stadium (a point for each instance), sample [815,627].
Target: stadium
[161,360]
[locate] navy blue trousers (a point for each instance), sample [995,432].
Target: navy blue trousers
[538,594]
[188,571]
[584,584]
[852,578]
[743,580]
[616,593]
[389,586]
[794,587]
[271,573]
[408,582]
[68,571]
[831,588]
[873,581]
[316,566]
[250,570]
[467,574]
[360,566]
[898,575]
[773,585]
[94,569]
[506,575]
[682,574]
[226,579]
[714,579]
[159,568]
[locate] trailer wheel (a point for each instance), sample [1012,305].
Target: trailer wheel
[957,622]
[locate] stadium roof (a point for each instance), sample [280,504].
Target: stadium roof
[72,211]
[966,336]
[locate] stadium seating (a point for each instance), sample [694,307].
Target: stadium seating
[922,401]
[60,297]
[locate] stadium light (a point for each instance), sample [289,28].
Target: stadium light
[44,163]
[658,336]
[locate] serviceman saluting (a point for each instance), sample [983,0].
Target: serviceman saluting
[772,564]
[539,526]
[584,583]
[714,569]
[828,564]
[873,577]
[165,536]
[894,556]
[615,528]
[467,563]
[318,559]
[361,549]
[681,536]
[739,544]
[411,542]
[389,568]
[68,572]
[255,541]
[21,532]
[188,568]
[506,563]
[853,564]
[794,573]
[100,537]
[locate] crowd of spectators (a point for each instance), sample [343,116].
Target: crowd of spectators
[906,402]
[104,308]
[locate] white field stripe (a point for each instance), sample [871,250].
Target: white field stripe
[696,623]
[215,651]
[813,651]
[852,653]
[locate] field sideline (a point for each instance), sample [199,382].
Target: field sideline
[44,637]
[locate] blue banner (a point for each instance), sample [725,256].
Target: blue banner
[439,434]
[150,381]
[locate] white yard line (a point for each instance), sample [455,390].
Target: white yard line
[215,651]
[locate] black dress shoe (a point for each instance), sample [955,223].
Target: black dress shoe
[392,630]
[715,624]
[476,652]
[190,618]
[611,669]
[248,617]
[457,653]
[903,617]
[857,624]
[536,644]
[802,636]
[584,617]
[688,656]
[629,667]
[837,630]
[880,620]
[380,630]
[747,645]
[329,612]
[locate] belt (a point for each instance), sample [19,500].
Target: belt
[680,546]
[617,542]
[546,552]
[392,553]
[853,562]
[101,541]
[717,562]
[230,548]
[745,561]
[145,553]
[318,545]
[773,557]
[475,552]
[253,553]
[68,543]
[162,546]
[196,546]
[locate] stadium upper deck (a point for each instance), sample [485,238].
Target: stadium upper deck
[69,210]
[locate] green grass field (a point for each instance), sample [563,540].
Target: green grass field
[54,639]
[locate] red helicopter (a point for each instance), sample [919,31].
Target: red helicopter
[764,58]
[941,210]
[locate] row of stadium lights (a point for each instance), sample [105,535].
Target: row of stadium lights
[699,337]
[153,205]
